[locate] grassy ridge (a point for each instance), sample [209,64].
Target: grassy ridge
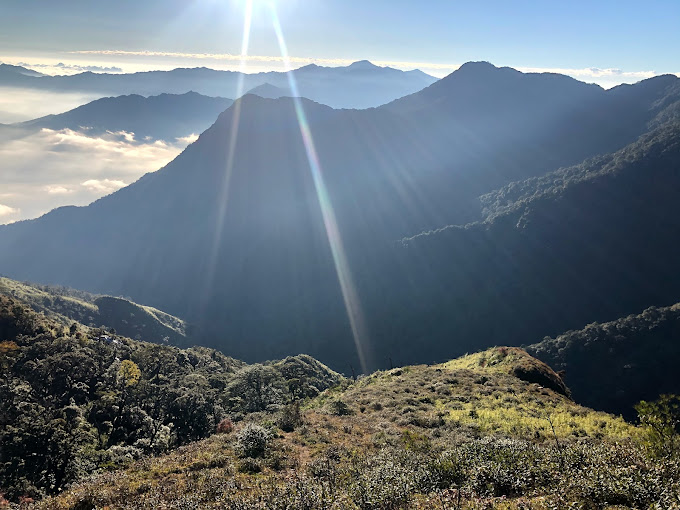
[129,319]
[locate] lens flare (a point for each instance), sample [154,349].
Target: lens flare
[231,150]
[349,293]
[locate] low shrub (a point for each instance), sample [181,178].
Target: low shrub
[290,417]
[226,426]
[339,408]
[252,441]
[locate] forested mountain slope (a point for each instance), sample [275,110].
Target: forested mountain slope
[613,365]
[588,243]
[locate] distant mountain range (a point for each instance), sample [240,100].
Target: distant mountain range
[162,117]
[242,250]
[359,85]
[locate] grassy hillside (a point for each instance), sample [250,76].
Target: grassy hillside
[514,361]
[67,305]
[463,434]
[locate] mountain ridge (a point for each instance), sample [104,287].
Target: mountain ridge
[340,87]
[162,117]
[66,306]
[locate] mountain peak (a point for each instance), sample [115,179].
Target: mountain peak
[308,67]
[476,67]
[362,64]
[267,90]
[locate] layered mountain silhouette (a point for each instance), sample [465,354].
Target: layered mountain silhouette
[360,85]
[238,244]
[162,117]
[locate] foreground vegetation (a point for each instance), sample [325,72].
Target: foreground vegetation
[94,420]
[330,462]
[77,400]
[415,437]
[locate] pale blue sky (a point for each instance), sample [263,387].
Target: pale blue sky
[633,37]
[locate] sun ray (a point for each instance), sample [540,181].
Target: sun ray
[231,150]
[347,286]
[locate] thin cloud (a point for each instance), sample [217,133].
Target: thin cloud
[62,68]
[186,140]
[591,72]
[6,210]
[57,190]
[20,104]
[105,186]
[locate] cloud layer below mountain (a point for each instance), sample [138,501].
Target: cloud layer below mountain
[21,104]
[52,168]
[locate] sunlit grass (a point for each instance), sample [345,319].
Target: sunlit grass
[490,415]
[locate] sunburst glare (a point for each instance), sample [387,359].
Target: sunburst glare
[347,286]
[231,149]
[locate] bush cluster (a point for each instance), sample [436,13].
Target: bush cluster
[252,441]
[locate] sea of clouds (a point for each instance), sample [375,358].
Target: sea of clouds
[48,168]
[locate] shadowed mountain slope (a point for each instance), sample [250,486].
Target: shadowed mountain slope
[614,365]
[598,242]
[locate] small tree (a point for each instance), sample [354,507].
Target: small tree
[661,421]
[129,373]
[256,388]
